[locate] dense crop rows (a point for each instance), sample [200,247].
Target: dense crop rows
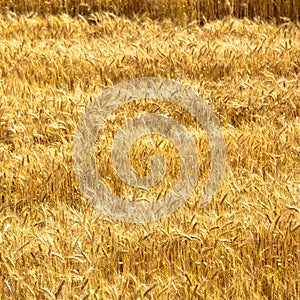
[177,10]
[243,245]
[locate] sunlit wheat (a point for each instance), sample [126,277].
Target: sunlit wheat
[55,245]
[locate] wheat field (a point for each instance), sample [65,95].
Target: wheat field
[55,245]
[180,11]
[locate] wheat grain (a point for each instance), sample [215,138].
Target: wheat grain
[54,244]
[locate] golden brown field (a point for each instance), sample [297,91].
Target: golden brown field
[177,10]
[55,245]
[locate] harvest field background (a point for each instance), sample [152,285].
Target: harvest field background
[242,245]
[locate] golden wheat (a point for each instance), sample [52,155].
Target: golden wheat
[54,245]
[177,10]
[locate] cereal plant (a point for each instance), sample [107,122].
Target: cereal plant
[55,245]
